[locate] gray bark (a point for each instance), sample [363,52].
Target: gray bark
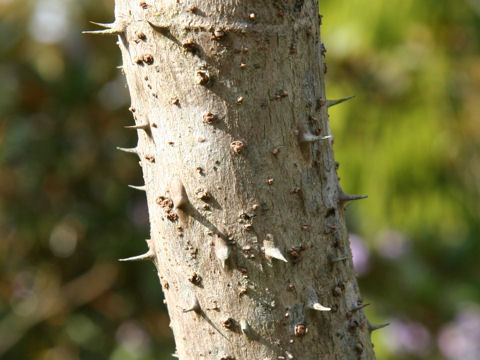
[247,217]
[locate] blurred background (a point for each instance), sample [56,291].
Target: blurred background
[410,140]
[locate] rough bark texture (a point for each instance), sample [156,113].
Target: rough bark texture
[247,225]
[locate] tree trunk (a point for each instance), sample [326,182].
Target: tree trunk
[247,226]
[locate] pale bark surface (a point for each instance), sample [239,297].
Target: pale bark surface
[232,97]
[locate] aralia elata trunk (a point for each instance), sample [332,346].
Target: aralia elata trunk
[247,216]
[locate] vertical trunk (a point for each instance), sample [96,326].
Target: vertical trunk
[247,226]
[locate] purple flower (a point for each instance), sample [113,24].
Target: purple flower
[360,254]
[407,336]
[460,339]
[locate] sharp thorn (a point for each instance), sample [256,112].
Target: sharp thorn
[189,309]
[342,197]
[104,25]
[115,28]
[222,250]
[149,255]
[338,259]
[179,194]
[372,328]
[246,329]
[103,32]
[360,307]
[319,307]
[312,301]
[338,101]
[140,188]
[195,307]
[160,28]
[307,137]
[141,126]
[128,150]
[271,251]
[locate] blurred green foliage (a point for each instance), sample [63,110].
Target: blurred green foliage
[409,139]
[66,214]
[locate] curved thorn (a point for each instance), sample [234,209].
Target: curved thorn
[195,307]
[162,29]
[338,101]
[320,307]
[140,188]
[157,26]
[141,126]
[149,255]
[128,150]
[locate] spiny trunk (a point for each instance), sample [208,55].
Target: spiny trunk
[247,226]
